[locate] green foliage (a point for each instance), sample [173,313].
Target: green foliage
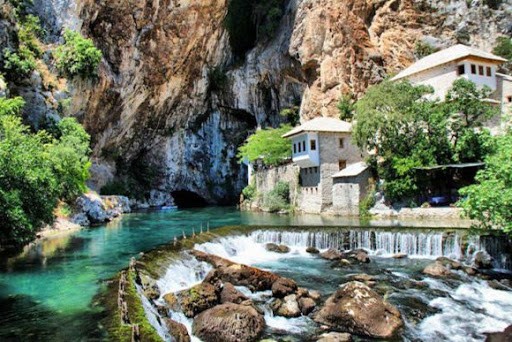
[503,48]
[36,170]
[423,49]
[249,192]
[407,131]
[267,145]
[28,34]
[77,57]
[367,202]
[490,200]
[278,198]
[346,107]
[217,79]
[18,65]
[249,21]
[292,114]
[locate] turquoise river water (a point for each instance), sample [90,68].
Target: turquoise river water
[46,294]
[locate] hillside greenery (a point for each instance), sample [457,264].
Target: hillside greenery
[267,145]
[77,57]
[405,129]
[489,201]
[36,171]
[503,49]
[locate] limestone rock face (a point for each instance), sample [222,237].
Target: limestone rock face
[94,209]
[357,309]
[230,323]
[153,103]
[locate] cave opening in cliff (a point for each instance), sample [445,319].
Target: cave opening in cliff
[188,199]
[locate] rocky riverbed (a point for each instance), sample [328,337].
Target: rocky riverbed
[252,286]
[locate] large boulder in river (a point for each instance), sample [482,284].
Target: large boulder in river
[312,250]
[504,336]
[230,294]
[283,287]
[306,305]
[451,264]
[482,260]
[272,247]
[287,307]
[359,255]
[436,269]
[237,274]
[331,254]
[357,309]
[197,299]
[177,330]
[229,323]
[335,337]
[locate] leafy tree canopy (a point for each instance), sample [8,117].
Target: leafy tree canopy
[77,57]
[490,200]
[267,145]
[406,130]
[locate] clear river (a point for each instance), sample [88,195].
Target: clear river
[48,292]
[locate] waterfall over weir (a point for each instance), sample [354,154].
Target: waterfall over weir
[419,244]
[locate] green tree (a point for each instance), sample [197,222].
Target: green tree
[503,48]
[77,57]
[489,201]
[36,170]
[267,145]
[407,130]
[292,114]
[346,106]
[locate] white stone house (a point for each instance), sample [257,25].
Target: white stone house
[323,147]
[442,68]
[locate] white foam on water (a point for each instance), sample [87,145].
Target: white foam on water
[281,324]
[472,310]
[183,274]
[153,316]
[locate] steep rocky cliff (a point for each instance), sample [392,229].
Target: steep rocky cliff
[162,107]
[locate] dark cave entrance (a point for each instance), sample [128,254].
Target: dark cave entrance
[188,199]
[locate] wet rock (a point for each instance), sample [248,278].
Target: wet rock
[504,336]
[400,256]
[302,292]
[306,305]
[344,262]
[447,262]
[283,287]
[335,337]
[363,277]
[172,301]
[436,269]
[497,285]
[230,294]
[482,260]
[177,330]
[315,295]
[331,254]
[272,247]
[360,255]
[229,323]
[470,271]
[197,299]
[312,250]
[357,309]
[287,307]
[237,274]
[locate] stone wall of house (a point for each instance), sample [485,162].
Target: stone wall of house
[330,155]
[267,178]
[348,192]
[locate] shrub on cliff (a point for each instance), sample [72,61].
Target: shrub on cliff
[503,48]
[36,170]
[268,145]
[77,57]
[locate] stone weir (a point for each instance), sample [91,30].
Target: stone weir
[137,301]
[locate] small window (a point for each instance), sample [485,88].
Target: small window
[342,143]
[304,146]
[473,69]
[489,72]
[306,171]
[342,164]
[316,168]
[294,148]
[312,145]
[481,70]
[300,147]
[461,69]
[509,99]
